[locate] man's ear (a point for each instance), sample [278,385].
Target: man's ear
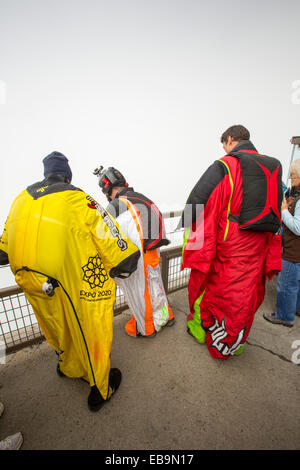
[229,140]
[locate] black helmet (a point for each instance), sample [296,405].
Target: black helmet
[109,179]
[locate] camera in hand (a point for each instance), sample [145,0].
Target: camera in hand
[291,192]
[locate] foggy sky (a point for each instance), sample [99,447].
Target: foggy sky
[146,86]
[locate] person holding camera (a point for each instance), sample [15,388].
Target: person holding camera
[288,292]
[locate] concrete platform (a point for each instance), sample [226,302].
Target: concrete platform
[173,394]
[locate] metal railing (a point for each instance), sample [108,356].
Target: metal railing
[19,326]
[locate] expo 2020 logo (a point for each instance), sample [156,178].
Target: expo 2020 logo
[94,272]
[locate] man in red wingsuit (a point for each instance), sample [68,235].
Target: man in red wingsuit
[231,245]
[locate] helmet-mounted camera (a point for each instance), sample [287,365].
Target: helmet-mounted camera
[108,179]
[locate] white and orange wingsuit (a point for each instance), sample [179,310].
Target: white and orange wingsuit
[142,222]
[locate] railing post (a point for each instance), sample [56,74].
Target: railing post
[165,270]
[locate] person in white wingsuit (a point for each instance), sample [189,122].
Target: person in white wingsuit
[142,222]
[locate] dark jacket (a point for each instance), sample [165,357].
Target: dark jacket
[291,241]
[154,235]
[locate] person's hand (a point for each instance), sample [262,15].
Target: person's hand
[284,204]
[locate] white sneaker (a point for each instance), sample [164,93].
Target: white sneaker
[13,442]
[1,408]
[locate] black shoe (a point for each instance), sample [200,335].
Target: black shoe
[170,322]
[95,399]
[115,378]
[298,314]
[139,335]
[189,331]
[273,318]
[59,372]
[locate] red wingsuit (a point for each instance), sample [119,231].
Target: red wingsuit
[229,266]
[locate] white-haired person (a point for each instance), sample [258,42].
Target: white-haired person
[288,283]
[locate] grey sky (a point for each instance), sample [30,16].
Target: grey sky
[146,86]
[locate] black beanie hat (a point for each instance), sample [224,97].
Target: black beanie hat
[57,163]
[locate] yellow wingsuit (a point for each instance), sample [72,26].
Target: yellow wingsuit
[57,232]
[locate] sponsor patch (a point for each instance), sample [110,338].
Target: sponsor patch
[219,332]
[112,227]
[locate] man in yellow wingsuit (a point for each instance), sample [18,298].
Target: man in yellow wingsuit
[64,249]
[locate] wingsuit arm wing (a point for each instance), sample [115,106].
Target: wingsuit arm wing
[201,218]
